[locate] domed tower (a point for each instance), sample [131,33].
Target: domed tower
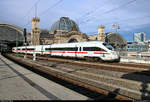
[64,24]
[66,30]
[35,32]
[101,35]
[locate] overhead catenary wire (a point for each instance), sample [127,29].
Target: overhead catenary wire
[109,11]
[27,14]
[123,20]
[29,22]
[51,7]
[89,13]
[44,12]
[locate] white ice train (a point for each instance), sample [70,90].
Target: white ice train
[95,50]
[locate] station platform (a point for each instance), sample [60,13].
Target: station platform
[126,59]
[18,83]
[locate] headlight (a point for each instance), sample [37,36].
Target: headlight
[113,53]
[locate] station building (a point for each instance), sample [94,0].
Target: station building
[66,30]
[139,37]
[138,46]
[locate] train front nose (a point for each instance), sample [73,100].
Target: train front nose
[115,55]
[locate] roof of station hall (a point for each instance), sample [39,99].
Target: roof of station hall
[64,23]
[10,32]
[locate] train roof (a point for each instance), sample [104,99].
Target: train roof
[76,43]
[32,46]
[87,42]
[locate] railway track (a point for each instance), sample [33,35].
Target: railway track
[125,82]
[121,67]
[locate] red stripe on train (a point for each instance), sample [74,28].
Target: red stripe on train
[62,52]
[79,52]
[101,53]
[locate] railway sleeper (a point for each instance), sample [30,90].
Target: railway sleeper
[121,82]
[102,85]
[130,84]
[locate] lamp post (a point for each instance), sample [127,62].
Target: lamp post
[116,27]
[25,56]
[1,48]
[17,42]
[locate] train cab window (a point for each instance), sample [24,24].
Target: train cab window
[108,46]
[47,49]
[93,49]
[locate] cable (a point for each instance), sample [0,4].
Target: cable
[126,20]
[29,21]
[31,8]
[45,11]
[130,19]
[109,11]
[89,13]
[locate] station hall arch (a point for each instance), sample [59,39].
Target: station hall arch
[11,35]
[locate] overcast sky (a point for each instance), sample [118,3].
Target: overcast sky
[132,15]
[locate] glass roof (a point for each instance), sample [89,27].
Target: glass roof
[64,24]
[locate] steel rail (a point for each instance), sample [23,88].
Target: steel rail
[103,91]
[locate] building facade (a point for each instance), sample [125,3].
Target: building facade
[66,30]
[101,34]
[35,32]
[139,37]
[137,46]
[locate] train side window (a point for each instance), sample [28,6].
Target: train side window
[93,49]
[30,49]
[62,49]
[47,49]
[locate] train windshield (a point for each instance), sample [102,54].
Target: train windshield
[108,46]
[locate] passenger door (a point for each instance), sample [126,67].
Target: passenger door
[78,53]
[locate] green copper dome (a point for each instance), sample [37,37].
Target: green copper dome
[64,24]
